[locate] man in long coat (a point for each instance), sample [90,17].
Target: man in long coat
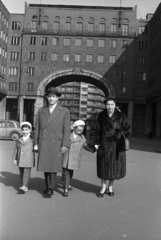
[51,139]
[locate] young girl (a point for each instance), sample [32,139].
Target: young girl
[23,155]
[72,158]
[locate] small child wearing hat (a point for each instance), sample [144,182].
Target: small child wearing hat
[72,158]
[23,155]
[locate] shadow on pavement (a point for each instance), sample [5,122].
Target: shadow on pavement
[13,180]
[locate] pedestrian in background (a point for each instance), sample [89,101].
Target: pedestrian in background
[72,158]
[106,133]
[51,138]
[23,155]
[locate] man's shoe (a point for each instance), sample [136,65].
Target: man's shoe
[48,192]
[70,188]
[65,194]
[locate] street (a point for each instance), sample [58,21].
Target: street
[134,213]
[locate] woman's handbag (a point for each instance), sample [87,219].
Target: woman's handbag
[123,145]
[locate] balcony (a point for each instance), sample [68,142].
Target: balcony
[75,32]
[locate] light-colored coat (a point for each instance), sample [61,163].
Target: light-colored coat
[52,131]
[72,158]
[23,153]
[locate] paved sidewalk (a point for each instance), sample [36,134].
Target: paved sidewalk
[134,213]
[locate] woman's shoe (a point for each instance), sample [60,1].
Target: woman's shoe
[100,195]
[111,194]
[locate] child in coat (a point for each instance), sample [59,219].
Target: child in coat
[72,158]
[23,155]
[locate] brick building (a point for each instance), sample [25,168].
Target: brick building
[88,52]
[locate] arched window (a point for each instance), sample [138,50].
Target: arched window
[113,25]
[125,27]
[91,24]
[57,24]
[80,24]
[45,23]
[34,23]
[102,26]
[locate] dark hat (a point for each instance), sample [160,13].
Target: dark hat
[109,98]
[52,90]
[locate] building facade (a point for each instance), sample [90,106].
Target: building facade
[88,52]
[4,22]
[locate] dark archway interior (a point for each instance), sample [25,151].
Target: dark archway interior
[78,78]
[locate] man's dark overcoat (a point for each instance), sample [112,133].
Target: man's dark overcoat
[106,132]
[52,131]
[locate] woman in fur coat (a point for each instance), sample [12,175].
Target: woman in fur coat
[106,133]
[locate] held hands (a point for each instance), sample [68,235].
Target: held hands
[96,147]
[15,162]
[36,148]
[64,149]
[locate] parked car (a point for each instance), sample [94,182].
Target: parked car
[10,129]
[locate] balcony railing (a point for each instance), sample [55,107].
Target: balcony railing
[75,32]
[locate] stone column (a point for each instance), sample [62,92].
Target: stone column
[38,104]
[130,115]
[21,108]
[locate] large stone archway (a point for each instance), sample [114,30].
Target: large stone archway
[103,83]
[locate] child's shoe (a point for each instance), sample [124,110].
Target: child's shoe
[23,189]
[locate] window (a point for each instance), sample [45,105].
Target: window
[113,28]
[68,26]
[31,56]
[100,59]
[66,57]
[141,29]
[30,87]
[123,89]
[55,41]
[78,42]
[88,58]
[16,25]
[102,27]
[66,41]
[90,27]
[124,43]
[45,25]
[142,61]
[124,58]
[15,40]
[77,57]
[12,86]
[14,56]
[13,71]
[123,75]
[54,57]
[79,26]
[112,59]
[44,41]
[112,43]
[43,56]
[56,26]
[33,26]
[33,41]
[101,43]
[143,45]
[89,42]
[30,71]
[142,76]
[125,29]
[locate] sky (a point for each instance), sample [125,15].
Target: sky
[143,6]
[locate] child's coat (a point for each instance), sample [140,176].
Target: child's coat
[72,158]
[24,153]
